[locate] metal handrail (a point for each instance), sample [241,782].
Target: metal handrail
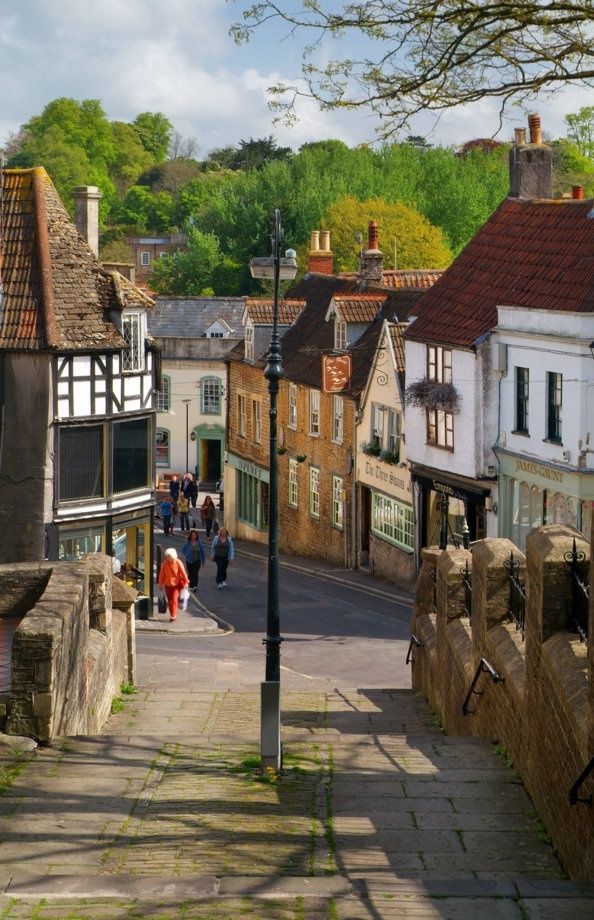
[573,792]
[580,590]
[466,573]
[483,668]
[517,593]
[413,641]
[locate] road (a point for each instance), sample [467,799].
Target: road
[334,635]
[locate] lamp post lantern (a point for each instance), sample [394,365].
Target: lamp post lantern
[187,405]
[276,268]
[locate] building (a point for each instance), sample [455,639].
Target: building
[77,380]
[145,250]
[194,335]
[488,357]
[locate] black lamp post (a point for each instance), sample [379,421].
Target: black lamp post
[187,405]
[276,268]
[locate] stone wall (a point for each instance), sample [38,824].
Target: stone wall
[70,652]
[541,712]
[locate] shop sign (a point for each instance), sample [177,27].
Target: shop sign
[387,478]
[336,373]
[246,466]
[543,472]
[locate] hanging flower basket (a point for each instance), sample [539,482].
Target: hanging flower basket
[300,458]
[431,394]
[372,450]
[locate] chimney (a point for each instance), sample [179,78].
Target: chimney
[577,192]
[371,265]
[320,258]
[530,165]
[86,214]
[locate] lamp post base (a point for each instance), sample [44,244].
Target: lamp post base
[270,726]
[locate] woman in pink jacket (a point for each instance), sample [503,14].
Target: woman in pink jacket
[173,577]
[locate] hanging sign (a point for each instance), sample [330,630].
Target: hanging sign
[336,373]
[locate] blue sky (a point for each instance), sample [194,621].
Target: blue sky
[175,56]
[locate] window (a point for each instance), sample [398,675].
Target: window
[163,396]
[216,335]
[340,334]
[337,419]
[555,400]
[392,520]
[522,386]
[314,492]
[162,447]
[337,504]
[257,420]
[394,431]
[314,412]
[241,414]
[252,500]
[249,343]
[131,454]
[145,258]
[439,364]
[440,428]
[210,396]
[133,356]
[81,462]
[292,406]
[377,426]
[293,484]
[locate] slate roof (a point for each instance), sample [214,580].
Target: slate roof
[530,253]
[260,311]
[57,295]
[190,317]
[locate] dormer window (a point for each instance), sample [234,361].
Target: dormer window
[340,334]
[218,330]
[133,333]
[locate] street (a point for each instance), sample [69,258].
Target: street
[335,635]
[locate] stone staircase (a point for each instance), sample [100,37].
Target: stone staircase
[376,815]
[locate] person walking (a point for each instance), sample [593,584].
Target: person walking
[208,514]
[165,509]
[172,578]
[191,490]
[194,556]
[174,487]
[183,507]
[222,551]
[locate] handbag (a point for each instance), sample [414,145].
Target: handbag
[184,596]
[162,603]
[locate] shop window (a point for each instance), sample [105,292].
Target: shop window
[163,396]
[292,406]
[440,428]
[522,389]
[293,483]
[555,401]
[337,502]
[210,396]
[314,492]
[337,419]
[131,454]
[81,463]
[162,444]
[252,500]
[314,412]
[392,520]
[78,542]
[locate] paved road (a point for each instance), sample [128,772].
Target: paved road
[334,634]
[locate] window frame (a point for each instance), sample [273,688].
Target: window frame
[394,431]
[163,396]
[292,407]
[129,366]
[554,407]
[211,380]
[314,492]
[314,413]
[439,364]
[377,425]
[249,342]
[340,334]
[293,483]
[337,502]
[522,392]
[158,462]
[241,415]
[257,421]
[145,258]
[338,419]
[440,429]
[390,517]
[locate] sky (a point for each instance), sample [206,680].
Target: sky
[176,57]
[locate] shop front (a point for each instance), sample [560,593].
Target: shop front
[386,523]
[451,505]
[534,492]
[246,498]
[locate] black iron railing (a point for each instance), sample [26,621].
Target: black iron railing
[580,590]
[466,574]
[483,668]
[414,643]
[573,792]
[517,593]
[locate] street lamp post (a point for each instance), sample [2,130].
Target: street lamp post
[187,405]
[276,268]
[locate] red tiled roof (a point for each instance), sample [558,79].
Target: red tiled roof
[531,254]
[358,308]
[396,331]
[260,311]
[403,277]
[56,293]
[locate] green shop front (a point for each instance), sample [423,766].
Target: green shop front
[246,498]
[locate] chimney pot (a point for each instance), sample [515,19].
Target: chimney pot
[520,136]
[321,260]
[577,192]
[86,214]
[534,126]
[315,241]
[325,240]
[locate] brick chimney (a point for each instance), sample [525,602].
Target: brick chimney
[530,164]
[86,214]
[371,264]
[320,258]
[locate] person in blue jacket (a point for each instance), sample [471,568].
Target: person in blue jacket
[194,555]
[222,551]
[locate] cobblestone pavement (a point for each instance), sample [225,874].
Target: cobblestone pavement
[376,815]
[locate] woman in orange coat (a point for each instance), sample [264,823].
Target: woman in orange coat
[173,577]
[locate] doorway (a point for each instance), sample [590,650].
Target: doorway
[365,525]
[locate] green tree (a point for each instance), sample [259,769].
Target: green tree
[130,158]
[432,54]
[581,129]
[154,131]
[199,271]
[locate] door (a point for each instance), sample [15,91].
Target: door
[213,460]
[365,523]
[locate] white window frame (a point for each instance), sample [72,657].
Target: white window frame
[314,413]
[337,419]
[249,342]
[241,415]
[133,359]
[145,258]
[257,420]
[377,425]
[340,334]
[314,492]
[292,422]
[293,494]
[211,391]
[392,521]
[394,433]
[337,502]
[163,396]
